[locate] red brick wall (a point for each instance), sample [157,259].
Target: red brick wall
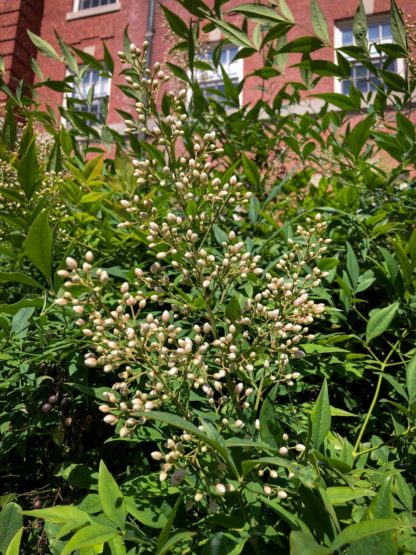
[90,32]
[16,17]
[47,16]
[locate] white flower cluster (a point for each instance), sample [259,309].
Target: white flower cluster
[187,329]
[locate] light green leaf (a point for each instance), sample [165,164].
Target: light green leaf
[232,33]
[285,10]
[92,535]
[14,546]
[60,514]
[319,23]
[38,244]
[174,540]
[304,544]
[259,13]
[340,495]
[44,47]
[411,380]
[364,529]
[380,320]
[111,498]
[321,417]
[251,170]
[11,520]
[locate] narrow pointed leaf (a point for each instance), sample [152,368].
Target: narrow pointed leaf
[321,417]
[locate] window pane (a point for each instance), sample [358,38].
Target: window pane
[347,37]
[386,31]
[374,33]
[86,4]
[346,85]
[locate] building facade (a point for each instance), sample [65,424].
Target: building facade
[87,24]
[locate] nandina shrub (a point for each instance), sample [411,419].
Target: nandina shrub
[238,325]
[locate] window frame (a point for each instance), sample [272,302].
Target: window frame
[346,24]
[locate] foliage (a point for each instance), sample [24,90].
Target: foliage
[231,287]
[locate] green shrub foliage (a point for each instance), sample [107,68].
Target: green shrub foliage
[207,320]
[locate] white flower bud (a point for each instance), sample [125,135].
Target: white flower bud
[300,447]
[220,489]
[71,263]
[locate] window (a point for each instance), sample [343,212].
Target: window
[379,32]
[87,4]
[91,93]
[211,80]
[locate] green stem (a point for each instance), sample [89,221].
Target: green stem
[373,402]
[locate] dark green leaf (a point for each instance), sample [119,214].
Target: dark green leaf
[28,170]
[302,544]
[398,28]
[321,417]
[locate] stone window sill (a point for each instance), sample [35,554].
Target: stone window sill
[91,12]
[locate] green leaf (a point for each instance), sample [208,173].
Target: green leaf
[380,320]
[117,546]
[60,514]
[248,465]
[233,310]
[398,29]
[321,417]
[92,535]
[360,27]
[364,529]
[404,493]
[285,10]
[111,498]
[44,47]
[319,23]
[11,520]
[359,135]
[38,244]
[55,157]
[164,534]
[208,434]
[14,546]
[304,544]
[352,266]
[176,23]
[270,430]
[17,277]
[337,99]
[259,13]
[28,170]
[340,495]
[232,33]
[174,540]
[411,380]
[251,170]
[9,131]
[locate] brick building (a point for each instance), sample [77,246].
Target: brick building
[85,24]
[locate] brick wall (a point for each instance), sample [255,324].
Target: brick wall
[45,17]
[88,33]
[16,17]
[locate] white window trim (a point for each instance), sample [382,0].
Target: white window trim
[339,26]
[90,12]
